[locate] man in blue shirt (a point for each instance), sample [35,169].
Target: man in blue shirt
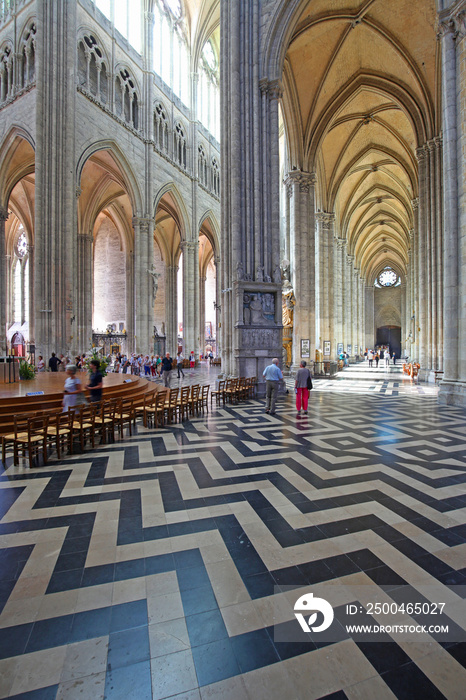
[272,374]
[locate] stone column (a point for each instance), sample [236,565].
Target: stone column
[3,281]
[250,193]
[202,280]
[219,300]
[452,33]
[55,253]
[302,259]
[190,296]
[349,321]
[171,309]
[143,284]
[422,270]
[362,314]
[31,294]
[414,355]
[82,326]
[438,267]
[339,246]
[369,317]
[324,277]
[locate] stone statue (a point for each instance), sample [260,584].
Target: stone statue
[239,271]
[259,274]
[155,280]
[246,310]
[285,270]
[277,275]
[268,305]
[257,315]
[289,300]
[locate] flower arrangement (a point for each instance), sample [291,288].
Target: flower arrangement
[93,354]
[26,370]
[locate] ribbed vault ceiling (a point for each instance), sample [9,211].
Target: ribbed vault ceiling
[360,95]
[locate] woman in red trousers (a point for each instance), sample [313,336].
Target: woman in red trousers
[303,382]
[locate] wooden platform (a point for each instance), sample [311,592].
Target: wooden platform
[52,383]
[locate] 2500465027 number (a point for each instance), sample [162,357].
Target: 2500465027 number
[408,608]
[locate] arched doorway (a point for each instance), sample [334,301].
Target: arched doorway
[18,345]
[106,243]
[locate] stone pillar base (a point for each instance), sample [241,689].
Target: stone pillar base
[452,393]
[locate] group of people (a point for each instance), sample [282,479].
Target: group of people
[378,355]
[151,366]
[73,393]
[303,384]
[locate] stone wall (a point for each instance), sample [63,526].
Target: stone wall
[109,277]
[387,306]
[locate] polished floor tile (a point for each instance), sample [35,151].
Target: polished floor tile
[167,564]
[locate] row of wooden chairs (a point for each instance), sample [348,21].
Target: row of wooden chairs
[34,433]
[234,390]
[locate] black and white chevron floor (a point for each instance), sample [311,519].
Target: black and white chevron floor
[162,565]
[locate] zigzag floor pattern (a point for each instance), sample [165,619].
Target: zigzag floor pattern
[164,565]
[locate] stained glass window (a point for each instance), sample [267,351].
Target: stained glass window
[21,245]
[387,278]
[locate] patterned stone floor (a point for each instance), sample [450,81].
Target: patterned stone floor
[161,566]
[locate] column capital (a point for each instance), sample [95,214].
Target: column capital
[149,17]
[4,214]
[452,21]
[142,222]
[189,245]
[303,179]
[341,242]
[86,237]
[415,203]
[325,219]
[272,88]
[78,192]
[421,153]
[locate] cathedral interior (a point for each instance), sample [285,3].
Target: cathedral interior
[254,179]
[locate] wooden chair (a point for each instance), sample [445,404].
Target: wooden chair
[242,389]
[203,402]
[84,425]
[155,410]
[60,430]
[218,394]
[104,419]
[170,404]
[231,390]
[32,439]
[182,404]
[194,399]
[124,413]
[145,401]
[9,438]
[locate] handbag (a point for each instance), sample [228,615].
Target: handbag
[309,382]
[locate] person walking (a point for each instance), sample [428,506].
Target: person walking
[179,364]
[376,358]
[41,364]
[54,362]
[167,364]
[386,357]
[95,382]
[272,374]
[303,383]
